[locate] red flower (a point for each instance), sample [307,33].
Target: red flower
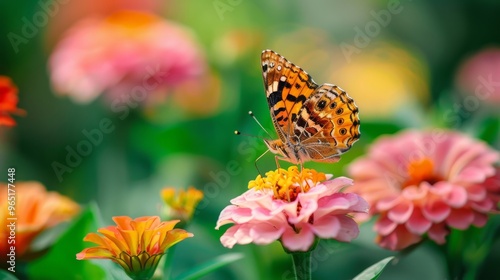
[8,101]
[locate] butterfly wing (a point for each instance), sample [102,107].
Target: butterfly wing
[328,124]
[287,88]
[321,121]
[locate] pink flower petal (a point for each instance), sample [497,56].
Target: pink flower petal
[457,197]
[341,204]
[438,232]
[341,228]
[384,226]
[415,193]
[460,218]
[327,226]
[264,233]
[349,229]
[441,188]
[225,216]
[228,239]
[387,203]
[476,192]
[289,208]
[436,211]
[483,206]
[471,175]
[480,220]
[401,212]
[334,186]
[399,239]
[300,241]
[418,224]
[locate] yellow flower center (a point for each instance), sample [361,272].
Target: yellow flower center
[287,184]
[420,171]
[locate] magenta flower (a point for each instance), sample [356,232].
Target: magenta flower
[294,208]
[422,183]
[128,55]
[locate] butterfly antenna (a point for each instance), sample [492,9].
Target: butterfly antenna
[255,163]
[250,113]
[237,132]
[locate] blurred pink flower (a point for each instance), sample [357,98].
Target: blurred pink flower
[422,183]
[128,54]
[294,208]
[480,75]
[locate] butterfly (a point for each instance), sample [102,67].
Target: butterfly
[314,122]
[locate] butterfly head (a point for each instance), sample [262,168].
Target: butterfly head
[275,146]
[279,148]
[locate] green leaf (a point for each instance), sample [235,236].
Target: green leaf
[207,267]
[61,259]
[6,275]
[489,129]
[373,272]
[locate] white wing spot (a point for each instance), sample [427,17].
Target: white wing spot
[271,65]
[283,78]
[274,86]
[279,67]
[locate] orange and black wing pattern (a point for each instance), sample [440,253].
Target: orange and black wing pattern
[287,88]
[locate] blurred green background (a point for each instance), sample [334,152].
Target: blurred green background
[401,70]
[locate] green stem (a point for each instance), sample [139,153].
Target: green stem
[454,250]
[167,269]
[302,265]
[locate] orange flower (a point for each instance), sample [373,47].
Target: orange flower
[34,210]
[8,101]
[136,245]
[180,203]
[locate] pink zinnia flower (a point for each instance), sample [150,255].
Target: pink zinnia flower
[422,183]
[128,53]
[292,207]
[479,76]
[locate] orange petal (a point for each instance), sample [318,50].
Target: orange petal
[94,253]
[173,237]
[123,222]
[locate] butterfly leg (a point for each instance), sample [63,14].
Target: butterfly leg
[301,174]
[276,158]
